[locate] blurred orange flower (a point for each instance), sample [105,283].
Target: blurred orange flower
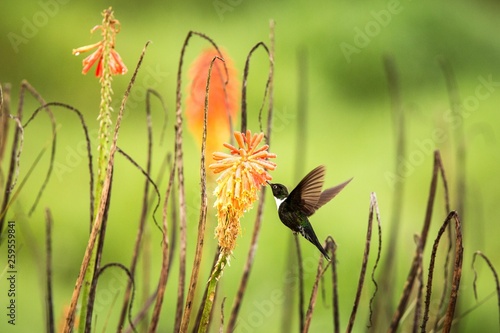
[222,101]
[243,172]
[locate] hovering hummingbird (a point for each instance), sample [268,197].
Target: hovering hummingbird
[306,198]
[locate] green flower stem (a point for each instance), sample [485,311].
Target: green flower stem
[105,122]
[211,289]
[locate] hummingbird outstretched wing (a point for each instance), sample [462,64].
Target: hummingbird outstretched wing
[330,193]
[308,195]
[308,192]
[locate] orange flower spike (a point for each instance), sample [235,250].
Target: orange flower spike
[105,48]
[241,175]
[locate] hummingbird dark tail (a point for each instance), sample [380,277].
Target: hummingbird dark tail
[309,234]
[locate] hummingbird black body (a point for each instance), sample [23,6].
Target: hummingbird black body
[306,198]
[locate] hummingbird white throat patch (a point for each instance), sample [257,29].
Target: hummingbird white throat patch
[279,202]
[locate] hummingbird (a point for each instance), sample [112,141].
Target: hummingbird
[294,209]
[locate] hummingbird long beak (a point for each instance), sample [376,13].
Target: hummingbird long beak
[268,182]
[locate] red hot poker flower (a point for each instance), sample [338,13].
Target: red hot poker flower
[105,52]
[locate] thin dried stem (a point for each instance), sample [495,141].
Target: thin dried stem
[102,204]
[260,209]
[245,83]
[165,268]
[130,279]
[203,209]
[495,275]
[379,250]
[88,147]
[373,207]
[312,301]
[457,273]
[179,165]
[144,210]
[42,102]
[400,310]
[460,180]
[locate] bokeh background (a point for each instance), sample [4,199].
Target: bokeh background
[350,129]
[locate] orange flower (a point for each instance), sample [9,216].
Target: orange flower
[222,101]
[243,172]
[109,29]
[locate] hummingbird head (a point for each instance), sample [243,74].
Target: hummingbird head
[279,190]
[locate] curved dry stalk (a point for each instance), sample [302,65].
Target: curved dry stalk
[260,209]
[145,201]
[17,147]
[150,92]
[457,273]
[495,275]
[179,165]
[246,71]
[373,207]
[412,274]
[143,311]
[42,102]
[203,210]
[130,279]
[460,157]
[314,293]
[88,147]
[148,179]
[102,204]
[28,173]
[165,268]
[379,250]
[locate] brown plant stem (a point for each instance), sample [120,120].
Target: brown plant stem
[68,326]
[495,276]
[457,273]
[412,274]
[203,210]
[260,209]
[314,294]
[142,218]
[179,164]
[373,207]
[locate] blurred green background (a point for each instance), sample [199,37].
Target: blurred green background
[350,129]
